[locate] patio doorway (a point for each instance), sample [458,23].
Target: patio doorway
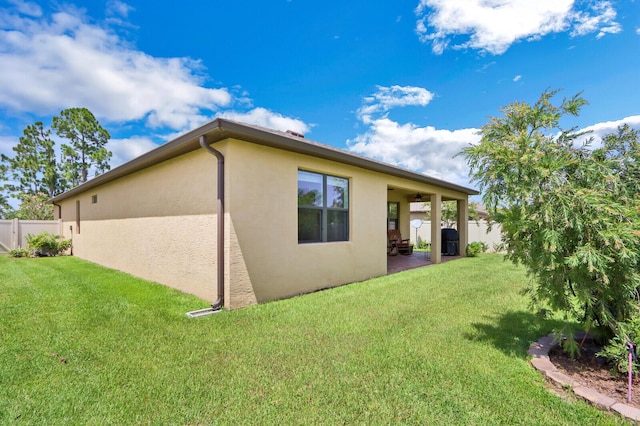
[392,215]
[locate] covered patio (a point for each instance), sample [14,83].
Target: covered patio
[417,259]
[399,198]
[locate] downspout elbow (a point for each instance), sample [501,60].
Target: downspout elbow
[219,303]
[59,209]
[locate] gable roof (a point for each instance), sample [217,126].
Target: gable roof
[220,129]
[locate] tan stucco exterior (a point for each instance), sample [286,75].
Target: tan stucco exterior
[265,221]
[159,222]
[152,224]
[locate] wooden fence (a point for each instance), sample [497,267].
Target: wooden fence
[13,233]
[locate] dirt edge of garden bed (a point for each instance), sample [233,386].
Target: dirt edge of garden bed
[539,351]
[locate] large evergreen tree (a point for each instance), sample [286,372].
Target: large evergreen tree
[33,167]
[33,175]
[569,211]
[5,208]
[86,148]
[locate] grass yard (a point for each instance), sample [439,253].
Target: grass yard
[446,344]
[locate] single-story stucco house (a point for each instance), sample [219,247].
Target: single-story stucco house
[298,215]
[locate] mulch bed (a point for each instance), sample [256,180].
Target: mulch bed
[594,373]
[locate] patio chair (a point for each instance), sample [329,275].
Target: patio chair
[402,246]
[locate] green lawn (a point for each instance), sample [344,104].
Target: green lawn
[446,344]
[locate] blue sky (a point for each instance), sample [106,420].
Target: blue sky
[409,82]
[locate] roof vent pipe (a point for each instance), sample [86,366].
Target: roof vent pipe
[291,132]
[218,305]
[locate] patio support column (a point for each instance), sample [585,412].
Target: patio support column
[436,233]
[463,225]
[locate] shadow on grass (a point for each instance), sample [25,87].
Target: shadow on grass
[512,332]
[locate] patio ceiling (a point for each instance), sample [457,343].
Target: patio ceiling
[410,194]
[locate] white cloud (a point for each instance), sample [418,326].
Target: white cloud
[433,152]
[425,150]
[601,20]
[118,8]
[485,67]
[387,98]
[600,130]
[27,7]
[494,25]
[117,13]
[6,145]
[65,60]
[124,150]
[517,78]
[268,119]
[62,61]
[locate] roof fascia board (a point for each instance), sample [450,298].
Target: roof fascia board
[220,129]
[181,145]
[302,146]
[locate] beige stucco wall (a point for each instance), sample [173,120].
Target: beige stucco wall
[160,224]
[262,199]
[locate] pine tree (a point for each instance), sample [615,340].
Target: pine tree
[86,149]
[33,167]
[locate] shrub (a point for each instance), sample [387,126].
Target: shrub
[568,208]
[19,252]
[422,244]
[47,244]
[474,248]
[616,351]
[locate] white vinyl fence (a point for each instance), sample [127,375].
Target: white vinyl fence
[477,232]
[13,233]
